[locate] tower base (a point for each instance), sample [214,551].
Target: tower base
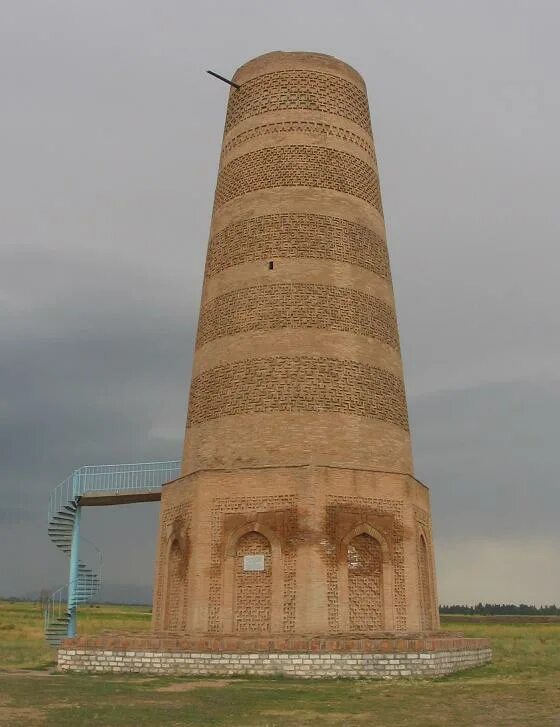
[295,550]
[302,657]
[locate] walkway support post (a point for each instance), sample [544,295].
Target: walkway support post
[74,564]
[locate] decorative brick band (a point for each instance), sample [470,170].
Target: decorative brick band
[306,90]
[297,236]
[297,166]
[404,642]
[305,127]
[297,305]
[302,383]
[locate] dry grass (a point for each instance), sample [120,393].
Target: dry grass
[22,645]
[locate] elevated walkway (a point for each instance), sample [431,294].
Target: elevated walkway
[92,486]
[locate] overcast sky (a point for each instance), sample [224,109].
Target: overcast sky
[110,133]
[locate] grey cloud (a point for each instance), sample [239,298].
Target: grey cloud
[488,455]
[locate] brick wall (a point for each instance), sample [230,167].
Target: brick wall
[297,440]
[303,665]
[297,266]
[304,657]
[311,523]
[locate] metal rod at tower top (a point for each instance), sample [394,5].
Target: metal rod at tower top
[225,80]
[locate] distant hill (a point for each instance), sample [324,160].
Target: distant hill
[109,593]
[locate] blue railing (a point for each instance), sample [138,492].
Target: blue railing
[112,478]
[64,531]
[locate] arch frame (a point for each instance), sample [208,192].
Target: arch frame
[429,609]
[174,540]
[228,589]
[386,576]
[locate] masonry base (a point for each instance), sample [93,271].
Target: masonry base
[301,657]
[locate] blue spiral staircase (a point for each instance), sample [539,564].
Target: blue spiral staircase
[93,485]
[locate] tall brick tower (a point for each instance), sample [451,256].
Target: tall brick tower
[297,511]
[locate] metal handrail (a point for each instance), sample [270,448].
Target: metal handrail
[110,477]
[64,516]
[57,605]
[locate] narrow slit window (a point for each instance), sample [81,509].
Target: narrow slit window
[271,265]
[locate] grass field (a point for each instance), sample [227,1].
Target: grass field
[521,687]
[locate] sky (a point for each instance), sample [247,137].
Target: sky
[110,134]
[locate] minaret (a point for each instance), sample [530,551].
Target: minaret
[297,511]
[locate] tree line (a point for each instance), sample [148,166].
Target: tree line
[501,609]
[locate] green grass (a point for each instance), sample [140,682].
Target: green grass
[22,645]
[521,687]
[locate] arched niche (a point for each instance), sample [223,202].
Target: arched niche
[365,571]
[173,586]
[262,590]
[425,582]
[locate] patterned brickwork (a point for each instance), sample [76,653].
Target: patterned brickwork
[298,166]
[301,383]
[171,580]
[366,506]
[305,90]
[252,506]
[365,584]
[175,585]
[294,305]
[297,438]
[424,584]
[253,589]
[297,236]
[305,127]
[426,575]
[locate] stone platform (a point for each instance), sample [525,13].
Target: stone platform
[308,657]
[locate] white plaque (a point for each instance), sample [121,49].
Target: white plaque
[253,562]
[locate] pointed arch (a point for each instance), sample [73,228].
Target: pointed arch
[425,582]
[365,576]
[261,592]
[255,526]
[173,586]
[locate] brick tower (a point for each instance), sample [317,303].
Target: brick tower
[297,511]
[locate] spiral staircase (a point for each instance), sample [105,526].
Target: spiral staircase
[93,485]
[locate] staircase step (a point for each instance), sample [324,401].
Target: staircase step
[60,528]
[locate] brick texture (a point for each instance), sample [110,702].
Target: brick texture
[300,665]
[302,90]
[298,166]
[300,383]
[303,657]
[297,445]
[296,235]
[297,305]
[306,127]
